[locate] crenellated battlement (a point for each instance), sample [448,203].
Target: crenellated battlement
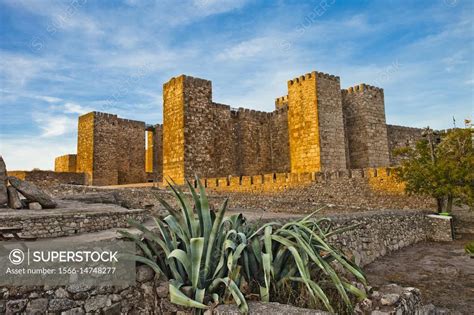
[314,75]
[361,88]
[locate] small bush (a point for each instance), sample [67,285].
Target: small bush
[469,248]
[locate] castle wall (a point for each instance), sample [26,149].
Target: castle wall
[366,130]
[130,151]
[65,163]
[218,140]
[280,147]
[399,137]
[158,153]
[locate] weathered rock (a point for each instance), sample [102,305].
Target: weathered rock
[112,310]
[34,206]
[96,303]
[74,311]
[37,307]
[57,305]
[99,197]
[78,287]
[61,293]
[16,306]
[32,192]
[389,299]
[3,183]
[14,201]
[144,273]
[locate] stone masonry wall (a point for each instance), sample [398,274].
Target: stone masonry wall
[47,178]
[173,129]
[65,163]
[111,150]
[158,153]
[218,140]
[382,232]
[366,131]
[130,151]
[149,151]
[303,125]
[400,136]
[85,148]
[331,121]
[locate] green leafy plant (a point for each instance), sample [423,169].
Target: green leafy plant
[210,258]
[469,248]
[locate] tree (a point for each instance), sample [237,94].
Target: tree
[441,169]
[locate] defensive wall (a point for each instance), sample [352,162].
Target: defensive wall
[316,127]
[45,178]
[379,179]
[65,163]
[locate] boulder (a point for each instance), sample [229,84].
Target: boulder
[32,192]
[3,183]
[37,306]
[34,206]
[14,201]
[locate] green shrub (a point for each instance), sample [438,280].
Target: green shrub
[214,258]
[469,248]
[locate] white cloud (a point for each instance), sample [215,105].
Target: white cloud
[26,153]
[55,125]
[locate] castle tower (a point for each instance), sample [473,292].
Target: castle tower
[186,132]
[366,129]
[315,123]
[111,150]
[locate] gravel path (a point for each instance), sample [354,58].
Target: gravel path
[442,271]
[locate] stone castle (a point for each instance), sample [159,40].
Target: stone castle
[316,127]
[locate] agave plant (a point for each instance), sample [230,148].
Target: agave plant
[208,257]
[195,249]
[296,251]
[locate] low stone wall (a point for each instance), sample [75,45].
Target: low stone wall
[48,178]
[79,299]
[382,232]
[70,221]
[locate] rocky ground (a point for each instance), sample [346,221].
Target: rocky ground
[442,271]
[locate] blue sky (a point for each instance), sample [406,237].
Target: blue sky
[60,59]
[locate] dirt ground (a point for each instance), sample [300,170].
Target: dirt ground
[442,271]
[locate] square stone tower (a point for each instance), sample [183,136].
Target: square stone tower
[315,123]
[366,129]
[111,150]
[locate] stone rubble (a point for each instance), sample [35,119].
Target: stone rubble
[32,192]
[14,201]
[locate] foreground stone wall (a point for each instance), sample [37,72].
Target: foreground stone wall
[43,224]
[48,178]
[65,163]
[382,232]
